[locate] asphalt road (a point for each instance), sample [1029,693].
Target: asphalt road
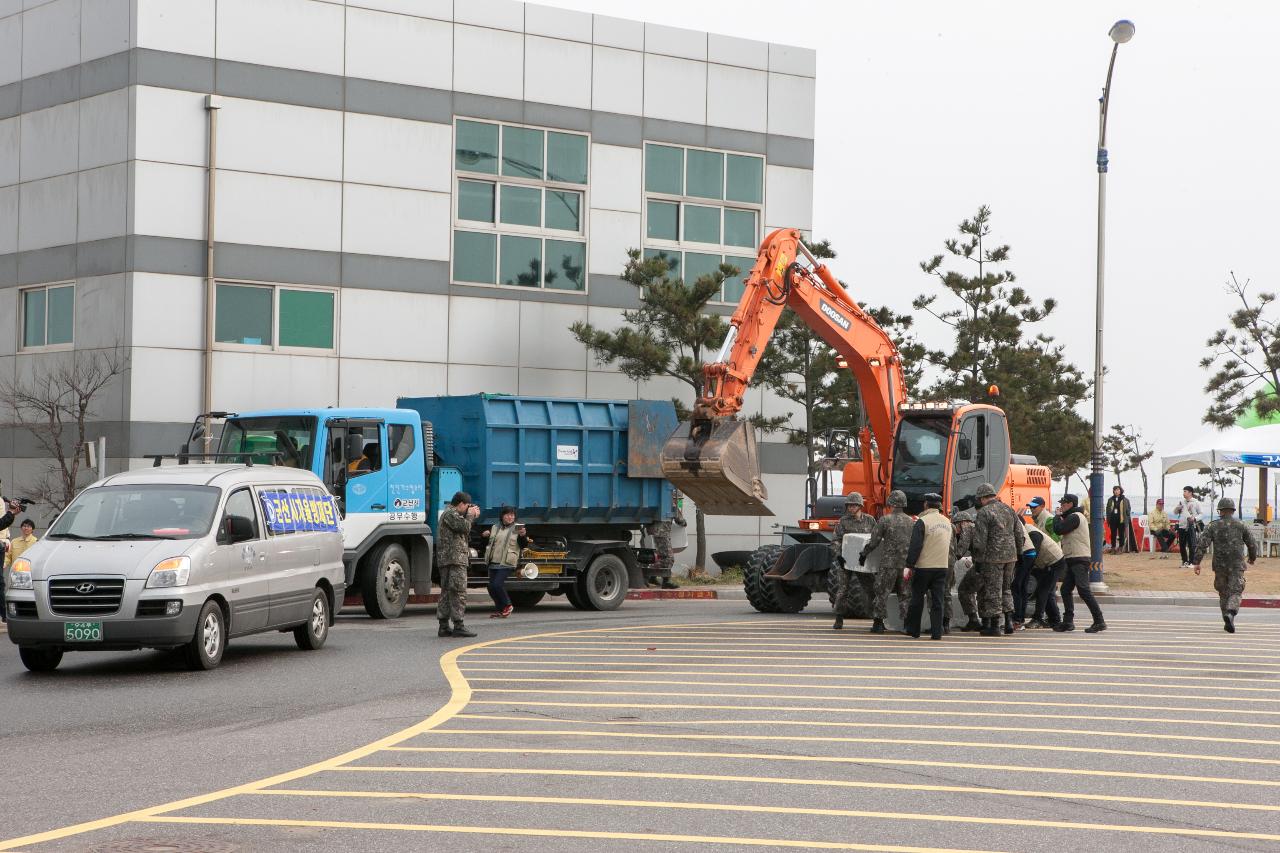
[664,725]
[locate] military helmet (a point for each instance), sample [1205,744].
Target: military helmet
[853,499]
[986,490]
[897,498]
[1226,505]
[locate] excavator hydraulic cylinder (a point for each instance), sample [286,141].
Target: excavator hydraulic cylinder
[715,463]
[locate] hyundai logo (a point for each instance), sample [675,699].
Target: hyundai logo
[85,588]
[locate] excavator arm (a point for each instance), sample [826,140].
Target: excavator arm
[712,457]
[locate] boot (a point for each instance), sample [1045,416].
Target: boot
[877,627]
[990,626]
[1064,626]
[460,630]
[445,630]
[1229,621]
[1008,622]
[946,626]
[1096,628]
[839,622]
[971,625]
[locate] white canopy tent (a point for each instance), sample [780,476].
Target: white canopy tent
[1255,447]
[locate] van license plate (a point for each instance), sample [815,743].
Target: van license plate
[82,632]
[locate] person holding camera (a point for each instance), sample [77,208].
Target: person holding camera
[506,540]
[6,521]
[453,555]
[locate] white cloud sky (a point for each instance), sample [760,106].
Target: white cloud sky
[927,109]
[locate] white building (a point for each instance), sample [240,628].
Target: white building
[411,197]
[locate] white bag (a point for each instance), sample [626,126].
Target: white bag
[851,546]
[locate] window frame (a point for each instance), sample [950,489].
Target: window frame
[498,228]
[680,245]
[275,345]
[21,317]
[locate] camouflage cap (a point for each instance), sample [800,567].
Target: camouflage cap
[986,490]
[1226,505]
[897,498]
[853,499]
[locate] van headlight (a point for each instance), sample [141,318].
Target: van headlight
[20,574]
[172,572]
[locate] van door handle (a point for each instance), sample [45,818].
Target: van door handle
[378,506]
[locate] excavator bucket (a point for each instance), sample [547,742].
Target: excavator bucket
[717,467]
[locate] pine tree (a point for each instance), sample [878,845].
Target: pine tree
[1247,357]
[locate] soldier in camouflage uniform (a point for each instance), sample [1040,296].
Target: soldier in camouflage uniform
[893,531]
[854,520]
[998,538]
[962,549]
[1230,539]
[453,555]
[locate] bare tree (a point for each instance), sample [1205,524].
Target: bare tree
[54,404]
[1127,450]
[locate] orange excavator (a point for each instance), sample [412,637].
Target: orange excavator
[918,447]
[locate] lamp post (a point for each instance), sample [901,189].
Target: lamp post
[1121,32]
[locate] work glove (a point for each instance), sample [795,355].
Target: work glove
[840,562]
[967,562]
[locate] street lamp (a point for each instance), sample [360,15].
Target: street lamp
[1121,32]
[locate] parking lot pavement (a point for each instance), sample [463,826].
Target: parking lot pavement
[748,732]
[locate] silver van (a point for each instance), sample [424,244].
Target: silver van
[180,557]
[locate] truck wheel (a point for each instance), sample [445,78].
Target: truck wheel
[770,596]
[384,582]
[604,585]
[206,647]
[526,599]
[40,660]
[311,634]
[575,597]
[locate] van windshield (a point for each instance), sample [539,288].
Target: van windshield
[285,440]
[138,512]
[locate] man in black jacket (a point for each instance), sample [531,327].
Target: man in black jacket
[1073,527]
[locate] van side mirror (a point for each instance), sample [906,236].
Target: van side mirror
[964,449]
[236,528]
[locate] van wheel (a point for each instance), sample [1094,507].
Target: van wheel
[311,634]
[604,586]
[526,599]
[384,583]
[40,660]
[204,652]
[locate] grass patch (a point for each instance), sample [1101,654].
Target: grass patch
[731,576]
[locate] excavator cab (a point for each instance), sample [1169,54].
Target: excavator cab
[949,449]
[717,465]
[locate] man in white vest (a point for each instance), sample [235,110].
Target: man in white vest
[928,557]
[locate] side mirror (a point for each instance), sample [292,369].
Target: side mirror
[237,528]
[353,448]
[964,449]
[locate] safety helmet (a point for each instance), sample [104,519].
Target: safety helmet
[897,498]
[986,490]
[1226,505]
[853,499]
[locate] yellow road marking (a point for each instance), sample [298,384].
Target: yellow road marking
[753,736]
[986,715]
[680,805]
[776,780]
[825,759]
[553,833]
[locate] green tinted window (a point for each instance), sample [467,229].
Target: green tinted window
[746,179]
[521,205]
[475,201]
[521,261]
[566,265]
[521,152]
[672,259]
[698,264]
[33,315]
[566,157]
[740,228]
[474,257]
[243,315]
[663,219]
[306,318]
[705,174]
[62,315]
[663,169]
[736,285]
[476,149]
[701,224]
[564,210]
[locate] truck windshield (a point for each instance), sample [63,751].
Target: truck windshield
[920,453]
[138,512]
[271,440]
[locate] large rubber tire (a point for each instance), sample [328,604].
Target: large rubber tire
[384,582]
[603,586]
[526,599]
[40,659]
[770,596]
[311,634]
[575,597]
[861,604]
[204,652]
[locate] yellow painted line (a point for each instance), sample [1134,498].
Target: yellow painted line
[835,724]
[782,780]
[677,805]
[854,760]
[908,700]
[858,634]
[753,736]
[552,833]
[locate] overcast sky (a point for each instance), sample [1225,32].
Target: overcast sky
[927,109]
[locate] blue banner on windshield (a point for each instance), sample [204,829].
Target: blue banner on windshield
[299,513]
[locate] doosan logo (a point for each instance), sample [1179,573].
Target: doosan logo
[836,317]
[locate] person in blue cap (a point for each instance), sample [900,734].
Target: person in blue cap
[1040,515]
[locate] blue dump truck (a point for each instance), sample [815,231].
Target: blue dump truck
[583,475]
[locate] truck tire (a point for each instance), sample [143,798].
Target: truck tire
[603,586]
[526,599]
[861,604]
[384,582]
[40,659]
[575,597]
[770,596]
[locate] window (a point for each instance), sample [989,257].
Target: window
[400,443]
[240,503]
[703,208]
[48,315]
[275,317]
[524,225]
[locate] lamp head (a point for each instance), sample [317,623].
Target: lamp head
[1122,31]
